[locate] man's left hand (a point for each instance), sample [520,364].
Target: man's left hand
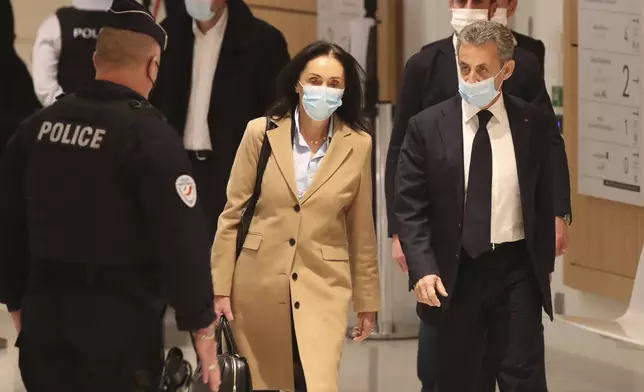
[366,324]
[561,233]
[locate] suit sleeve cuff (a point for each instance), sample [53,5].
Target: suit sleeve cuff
[197,321]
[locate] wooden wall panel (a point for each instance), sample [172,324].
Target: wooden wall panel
[390,47]
[297,20]
[298,29]
[293,5]
[606,237]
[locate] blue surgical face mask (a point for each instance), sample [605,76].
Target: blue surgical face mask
[320,102]
[479,94]
[200,10]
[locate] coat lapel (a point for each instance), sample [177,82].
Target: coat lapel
[451,130]
[281,145]
[338,151]
[521,129]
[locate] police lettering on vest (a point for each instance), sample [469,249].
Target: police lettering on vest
[85,32]
[79,135]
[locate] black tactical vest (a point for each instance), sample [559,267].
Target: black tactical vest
[79,32]
[82,200]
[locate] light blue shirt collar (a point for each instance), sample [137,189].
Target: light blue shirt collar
[299,138]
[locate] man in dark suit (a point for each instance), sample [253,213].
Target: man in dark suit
[475,213]
[431,77]
[505,11]
[218,73]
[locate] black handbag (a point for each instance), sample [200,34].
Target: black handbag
[249,210]
[235,372]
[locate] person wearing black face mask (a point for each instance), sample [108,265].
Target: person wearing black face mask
[17,99]
[101,229]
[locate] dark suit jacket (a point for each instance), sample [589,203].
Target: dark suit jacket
[252,55]
[17,98]
[534,46]
[430,199]
[431,77]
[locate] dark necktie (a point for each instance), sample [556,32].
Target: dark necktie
[478,206]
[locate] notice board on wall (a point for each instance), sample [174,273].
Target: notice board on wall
[611,105]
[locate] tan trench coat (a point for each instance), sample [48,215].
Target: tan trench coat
[313,259]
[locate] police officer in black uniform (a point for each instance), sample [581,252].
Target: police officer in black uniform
[99,224]
[62,54]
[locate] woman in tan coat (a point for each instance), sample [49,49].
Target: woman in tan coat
[311,246]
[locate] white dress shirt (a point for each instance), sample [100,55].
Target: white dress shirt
[46,52]
[207,47]
[307,163]
[507,214]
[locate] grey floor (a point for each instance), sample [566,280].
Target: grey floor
[390,367]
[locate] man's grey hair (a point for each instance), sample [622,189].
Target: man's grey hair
[483,32]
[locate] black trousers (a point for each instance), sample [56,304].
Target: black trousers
[77,338]
[63,368]
[211,194]
[494,317]
[426,360]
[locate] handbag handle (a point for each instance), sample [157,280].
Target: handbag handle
[224,330]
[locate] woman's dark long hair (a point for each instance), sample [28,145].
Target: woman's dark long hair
[351,111]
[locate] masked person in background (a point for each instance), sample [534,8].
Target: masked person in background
[218,73]
[17,98]
[431,77]
[505,11]
[62,54]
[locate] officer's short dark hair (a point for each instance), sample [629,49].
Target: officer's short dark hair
[118,48]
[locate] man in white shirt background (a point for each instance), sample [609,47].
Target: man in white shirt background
[218,73]
[62,55]
[475,209]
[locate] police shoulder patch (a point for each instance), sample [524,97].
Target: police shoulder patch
[187,190]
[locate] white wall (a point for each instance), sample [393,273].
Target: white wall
[547,16]
[28,15]
[427,21]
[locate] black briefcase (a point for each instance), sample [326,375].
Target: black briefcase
[235,372]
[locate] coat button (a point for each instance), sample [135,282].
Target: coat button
[297,208]
[291,242]
[294,276]
[297,305]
